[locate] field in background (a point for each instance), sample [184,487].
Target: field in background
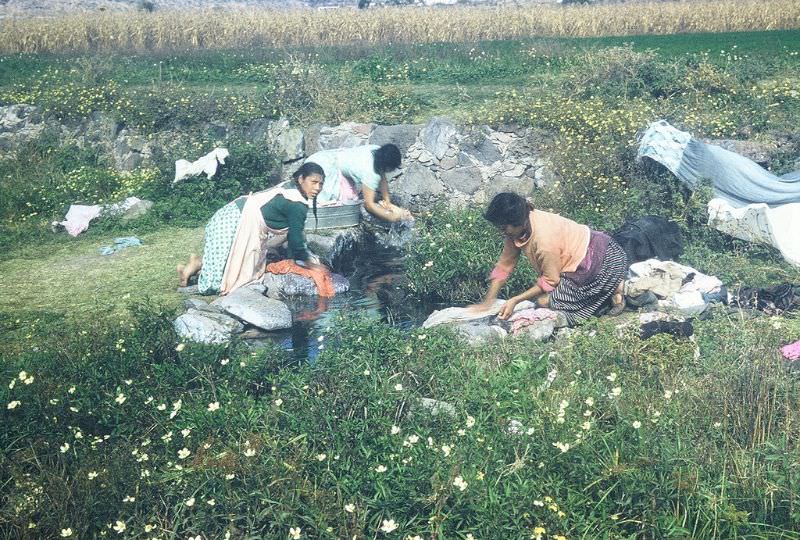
[188,30]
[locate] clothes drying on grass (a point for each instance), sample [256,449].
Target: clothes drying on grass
[750,202]
[774,300]
[650,237]
[322,279]
[120,244]
[80,215]
[792,351]
[673,328]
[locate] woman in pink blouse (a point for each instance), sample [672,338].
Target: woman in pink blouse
[580,270]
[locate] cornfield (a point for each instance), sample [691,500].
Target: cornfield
[180,30]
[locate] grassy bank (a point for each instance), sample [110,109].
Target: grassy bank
[115,429]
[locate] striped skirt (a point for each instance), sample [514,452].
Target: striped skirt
[579,302]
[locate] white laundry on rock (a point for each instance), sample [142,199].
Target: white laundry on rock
[671,282]
[463,314]
[205,165]
[79,215]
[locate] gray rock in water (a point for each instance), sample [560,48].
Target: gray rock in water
[283,285]
[436,136]
[256,309]
[336,247]
[206,327]
[402,135]
[464,179]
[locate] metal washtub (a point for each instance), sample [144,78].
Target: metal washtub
[334,217]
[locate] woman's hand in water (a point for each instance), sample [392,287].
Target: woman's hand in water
[396,213]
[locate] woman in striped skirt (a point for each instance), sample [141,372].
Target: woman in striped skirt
[579,269]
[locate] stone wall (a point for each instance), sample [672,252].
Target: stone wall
[442,161]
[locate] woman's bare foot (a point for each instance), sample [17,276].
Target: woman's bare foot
[618,300]
[185,271]
[182,278]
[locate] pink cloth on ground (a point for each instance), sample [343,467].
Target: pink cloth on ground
[527,317]
[791,352]
[78,217]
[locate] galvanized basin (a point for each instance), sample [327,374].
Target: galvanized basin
[334,217]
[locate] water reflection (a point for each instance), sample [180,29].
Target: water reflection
[377,289]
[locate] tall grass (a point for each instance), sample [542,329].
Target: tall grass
[170,30]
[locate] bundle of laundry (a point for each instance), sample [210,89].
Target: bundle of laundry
[749,202]
[677,287]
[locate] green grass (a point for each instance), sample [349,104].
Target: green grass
[72,279]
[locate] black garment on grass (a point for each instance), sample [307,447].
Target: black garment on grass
[772,300]
[650,237]
[673,328]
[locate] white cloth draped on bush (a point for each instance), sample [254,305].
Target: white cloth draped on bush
[749,202]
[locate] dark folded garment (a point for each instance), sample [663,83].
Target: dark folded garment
[673,328]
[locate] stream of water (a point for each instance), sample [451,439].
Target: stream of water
[377,288]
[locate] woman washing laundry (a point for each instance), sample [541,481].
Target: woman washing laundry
[579,269]
[240,234]
[364,168]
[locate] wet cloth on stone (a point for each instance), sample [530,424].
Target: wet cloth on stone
[526,317]
[773,300]
[791,351]
[579,302]
[119,244]
[650,237]
[322,278]
[750,202]
[461,314]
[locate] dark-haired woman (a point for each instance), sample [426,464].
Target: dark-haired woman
[239,235]
[364,168]
[579,269]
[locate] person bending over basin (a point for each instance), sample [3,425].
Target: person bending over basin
[579,269]
[241,233]
[364,168]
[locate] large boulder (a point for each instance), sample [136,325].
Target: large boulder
[417,188]
[285,141]
[252,307]
[206,326]
[437,135]
[464,179]
[402,135]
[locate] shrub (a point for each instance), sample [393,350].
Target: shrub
[452,256]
